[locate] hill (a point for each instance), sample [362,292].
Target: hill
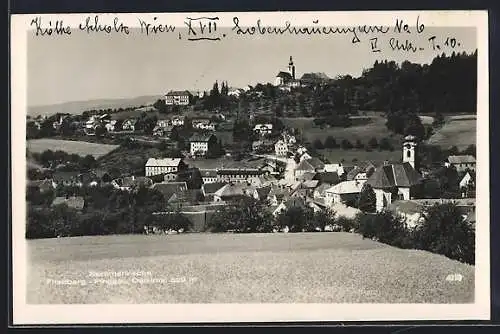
[77,107]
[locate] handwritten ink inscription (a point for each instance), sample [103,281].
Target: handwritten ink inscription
[402,36]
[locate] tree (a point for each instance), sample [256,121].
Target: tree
[373,143]
[385,144]
[100,131]
[359,144]
[88,162]
[330,142]
[296,218]
[367,199]
[317,144]
[385,227]
[247,215]
[445,231]
[346,144]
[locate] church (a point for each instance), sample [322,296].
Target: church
[397,181]
[286,79]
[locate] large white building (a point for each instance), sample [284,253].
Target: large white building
[200,143]
[163,166]
[177,98]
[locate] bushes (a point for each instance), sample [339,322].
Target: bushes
[442,231]
[445,231]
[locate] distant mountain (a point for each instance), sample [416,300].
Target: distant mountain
[78,107]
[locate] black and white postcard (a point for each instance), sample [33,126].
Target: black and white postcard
[250,167]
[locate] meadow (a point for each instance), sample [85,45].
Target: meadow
[459,131]
[229,268]
[70,146]
[372,125]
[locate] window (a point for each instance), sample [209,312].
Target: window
[408,153]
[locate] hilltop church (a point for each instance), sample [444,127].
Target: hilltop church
[286,79]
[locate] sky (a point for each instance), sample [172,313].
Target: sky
[84,67]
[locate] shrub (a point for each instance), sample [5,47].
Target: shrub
[384,227]
[346,224]
[445,231]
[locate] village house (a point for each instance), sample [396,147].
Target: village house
[230,192]
[208,175]
[263,129]
[281,148]
[320,191]
[129,124]
[467,184]
[110,126]
[346,192]
[200,143]
[240,175]
[461,162]
[164,165]
[182,98]
[236,92]
[209,189]
[178,121]
[203,124]
[171,191]
[335,168]
[309,165]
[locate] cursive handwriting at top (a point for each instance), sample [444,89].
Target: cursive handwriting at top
[95,25]
[259,28]
[57,29]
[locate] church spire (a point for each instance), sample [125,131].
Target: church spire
[291,68]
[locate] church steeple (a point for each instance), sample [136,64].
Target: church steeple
[291,68]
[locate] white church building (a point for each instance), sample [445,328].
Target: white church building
[286,79]
[396,181]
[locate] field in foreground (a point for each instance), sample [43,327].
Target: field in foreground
[78,147]
[230,268]
[459,131]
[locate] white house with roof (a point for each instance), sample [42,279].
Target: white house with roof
[461,162]
[200,143]
[281,148]
[163,166]
[178,121]
[208,175]
[178,98]
[263,129]
[343,192]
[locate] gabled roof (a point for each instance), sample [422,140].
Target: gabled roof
[322,188]
[201,137]
[211,188]
[394,175]
[263,192]
[231,190]
[310,184]
[178,93]
[327,177]
[164,162]
[72,202]
[169,189]
[461,159]
[316,163]
[346,187]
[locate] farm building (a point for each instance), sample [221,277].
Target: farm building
[165,165]
[461,162]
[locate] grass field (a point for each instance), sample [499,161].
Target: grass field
[364,132]
[229,268]
[79,147]
[337,155]
[457,131]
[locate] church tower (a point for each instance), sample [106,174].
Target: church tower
[410,150]
[291,68]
